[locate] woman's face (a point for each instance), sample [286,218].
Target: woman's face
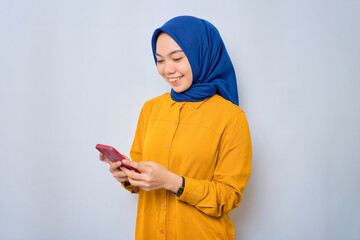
[172,63]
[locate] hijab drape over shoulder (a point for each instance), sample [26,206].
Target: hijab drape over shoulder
[213,72]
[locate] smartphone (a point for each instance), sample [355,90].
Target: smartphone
[113,155]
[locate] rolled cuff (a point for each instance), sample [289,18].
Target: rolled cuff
[193,191]
[129,187]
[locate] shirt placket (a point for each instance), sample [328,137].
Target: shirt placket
[168,146]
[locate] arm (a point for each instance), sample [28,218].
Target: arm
[215,197]
[223,192]
[136,150]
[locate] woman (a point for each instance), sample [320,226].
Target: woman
[192,145]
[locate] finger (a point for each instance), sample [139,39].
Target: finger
[131,173]
[103,158]
[114,166]
[126,157]
[138,183]
[134,165]
[121,180]
[120,174]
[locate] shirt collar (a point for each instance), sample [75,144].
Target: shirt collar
[196,105]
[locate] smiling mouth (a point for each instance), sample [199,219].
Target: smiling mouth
[175,80]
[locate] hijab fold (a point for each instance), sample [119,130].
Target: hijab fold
[213,72]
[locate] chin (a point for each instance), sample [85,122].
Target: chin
[179,90]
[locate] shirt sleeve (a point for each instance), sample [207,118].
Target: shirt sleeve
[224,192]
[136,149]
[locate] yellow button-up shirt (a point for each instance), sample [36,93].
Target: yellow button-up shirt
[207,142]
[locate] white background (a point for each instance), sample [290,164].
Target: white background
[76,73]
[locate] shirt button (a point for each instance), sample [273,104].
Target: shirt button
[162,231]
[167,145]
[175,122]
[163,205]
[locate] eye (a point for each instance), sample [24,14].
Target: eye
[178,59]
[159,61]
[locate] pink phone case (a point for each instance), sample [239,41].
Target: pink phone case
[113,155]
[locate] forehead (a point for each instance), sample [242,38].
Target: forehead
[166,44]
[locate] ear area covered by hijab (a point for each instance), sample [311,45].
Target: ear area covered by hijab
[213,72]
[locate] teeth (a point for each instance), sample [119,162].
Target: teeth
[174,79]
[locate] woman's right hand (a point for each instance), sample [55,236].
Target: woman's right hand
[119,175]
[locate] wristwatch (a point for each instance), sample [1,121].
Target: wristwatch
[181,189]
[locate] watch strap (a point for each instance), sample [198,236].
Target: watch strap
[181,189]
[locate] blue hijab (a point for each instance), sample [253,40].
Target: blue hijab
[213,72]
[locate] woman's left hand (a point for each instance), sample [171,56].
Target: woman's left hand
[153,176]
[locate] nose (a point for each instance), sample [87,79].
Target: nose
[169,68]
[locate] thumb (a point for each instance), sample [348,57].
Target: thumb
[126,157]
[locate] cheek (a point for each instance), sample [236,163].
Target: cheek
[159,69]
[188,71]
[186,68]
[188,82]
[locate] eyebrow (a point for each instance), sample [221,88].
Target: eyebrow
[175,51]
